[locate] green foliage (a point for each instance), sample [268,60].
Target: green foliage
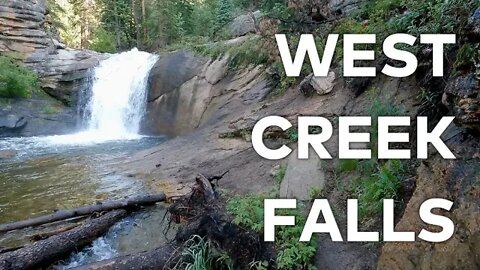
[15,81]
[51,110]
[382,184]
[347,165]
[104,41]
[280,174]
[201,254]
[292,254]
[378,108]
[292,134]
[315,193]
[223,14]
[258,265]
[249,52]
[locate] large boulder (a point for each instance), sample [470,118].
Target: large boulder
[11,124]
[185,90]
[65,73]
[246,23]
[473,27]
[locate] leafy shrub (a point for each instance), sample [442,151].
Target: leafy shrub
[315,193]
[201,254]
[15,81]
[104,41]
[280,174]
[347,165]
[383,184]
[292,254]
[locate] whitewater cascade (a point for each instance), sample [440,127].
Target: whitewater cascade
[118,97]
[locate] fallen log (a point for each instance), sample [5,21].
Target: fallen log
[206,187]
[44,252]
[85,210]
[157,259]
[45,235]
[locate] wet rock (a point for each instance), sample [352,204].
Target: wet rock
[35,111]
[462,96]
[305,87]
[65,73]
[245,24]
[301,176]
[11,124]
[7,154]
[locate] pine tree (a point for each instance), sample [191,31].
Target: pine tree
[223,14]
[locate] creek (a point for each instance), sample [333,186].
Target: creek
[66,171]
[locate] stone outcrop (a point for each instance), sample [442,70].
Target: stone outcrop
[302,176]
[456,180]
[319,85]
[35,116]
[21,27]
[185,90]
[246,23]
[462,96]
[62,72]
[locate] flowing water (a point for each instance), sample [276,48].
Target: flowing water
[65,171]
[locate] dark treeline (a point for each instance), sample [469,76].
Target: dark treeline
[115,25]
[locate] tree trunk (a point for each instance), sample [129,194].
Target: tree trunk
[159,258]
[137,24]
[85,210]
[117,26]
[44,252]
[144,23]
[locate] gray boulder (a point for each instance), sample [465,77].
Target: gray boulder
[246,23]
[11,124]
[344,7]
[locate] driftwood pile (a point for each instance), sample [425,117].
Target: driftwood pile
[54,245]
[202,213]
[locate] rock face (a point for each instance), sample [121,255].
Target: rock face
[35,116]
[456,180]
[21,27]
[62,72]
[11,124]
[301,176]
[462,96]
[185,90]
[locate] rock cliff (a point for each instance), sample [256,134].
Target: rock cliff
[63,72]
[187,90]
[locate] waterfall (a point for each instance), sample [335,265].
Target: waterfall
[116,103]
[118,97]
